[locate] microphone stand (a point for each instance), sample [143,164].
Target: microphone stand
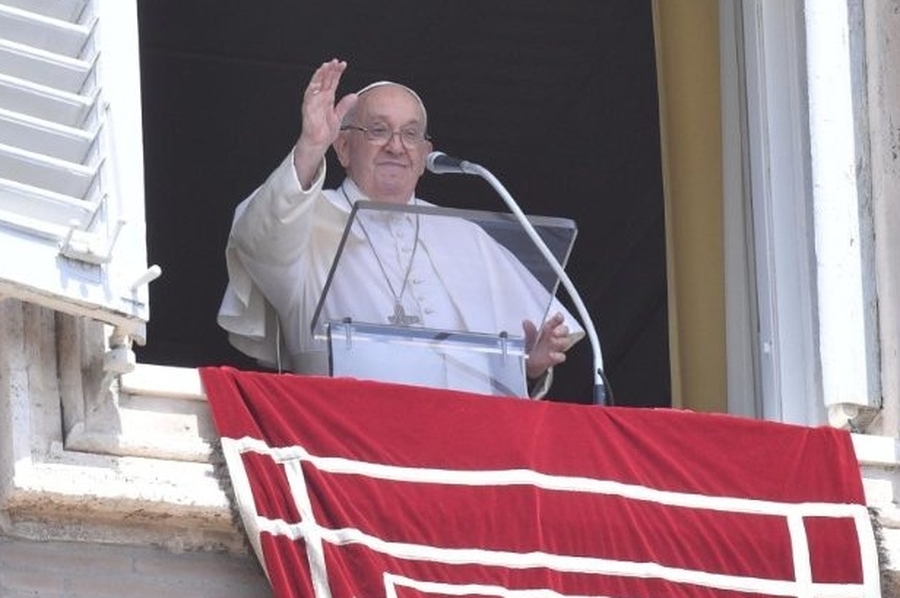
[601,390]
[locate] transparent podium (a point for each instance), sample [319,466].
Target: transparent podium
[436,297]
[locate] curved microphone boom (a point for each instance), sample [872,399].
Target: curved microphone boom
[441,163]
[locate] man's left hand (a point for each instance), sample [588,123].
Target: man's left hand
[546,347]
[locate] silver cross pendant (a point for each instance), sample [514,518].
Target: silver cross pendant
[400,318]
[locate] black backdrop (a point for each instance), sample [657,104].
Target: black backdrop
[557,99]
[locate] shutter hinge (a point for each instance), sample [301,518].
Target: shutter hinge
[85,248]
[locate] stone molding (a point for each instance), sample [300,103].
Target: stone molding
[90,456]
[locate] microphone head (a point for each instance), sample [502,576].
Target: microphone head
[441,163]
[431,159]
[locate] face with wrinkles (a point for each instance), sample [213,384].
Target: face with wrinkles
[387,170]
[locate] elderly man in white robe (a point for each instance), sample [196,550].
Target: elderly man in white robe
[285,236]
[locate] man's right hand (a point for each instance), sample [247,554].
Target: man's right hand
[321,119]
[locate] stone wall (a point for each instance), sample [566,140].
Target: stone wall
[31,568]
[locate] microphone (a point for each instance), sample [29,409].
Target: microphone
[441,163]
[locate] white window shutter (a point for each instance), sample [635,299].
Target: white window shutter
[72,230]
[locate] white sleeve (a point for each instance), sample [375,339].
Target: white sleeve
[266,233]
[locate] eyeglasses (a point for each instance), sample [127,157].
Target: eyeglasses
[381,135]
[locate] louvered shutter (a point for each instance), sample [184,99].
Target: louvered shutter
[72,234]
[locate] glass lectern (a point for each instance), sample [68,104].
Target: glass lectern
[433,296]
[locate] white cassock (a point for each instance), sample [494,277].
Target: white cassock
[448,274]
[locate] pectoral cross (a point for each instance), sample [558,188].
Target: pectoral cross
[400,318]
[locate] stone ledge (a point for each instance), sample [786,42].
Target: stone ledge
[160,413]
[139,464]
[116,499]
[877,451]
